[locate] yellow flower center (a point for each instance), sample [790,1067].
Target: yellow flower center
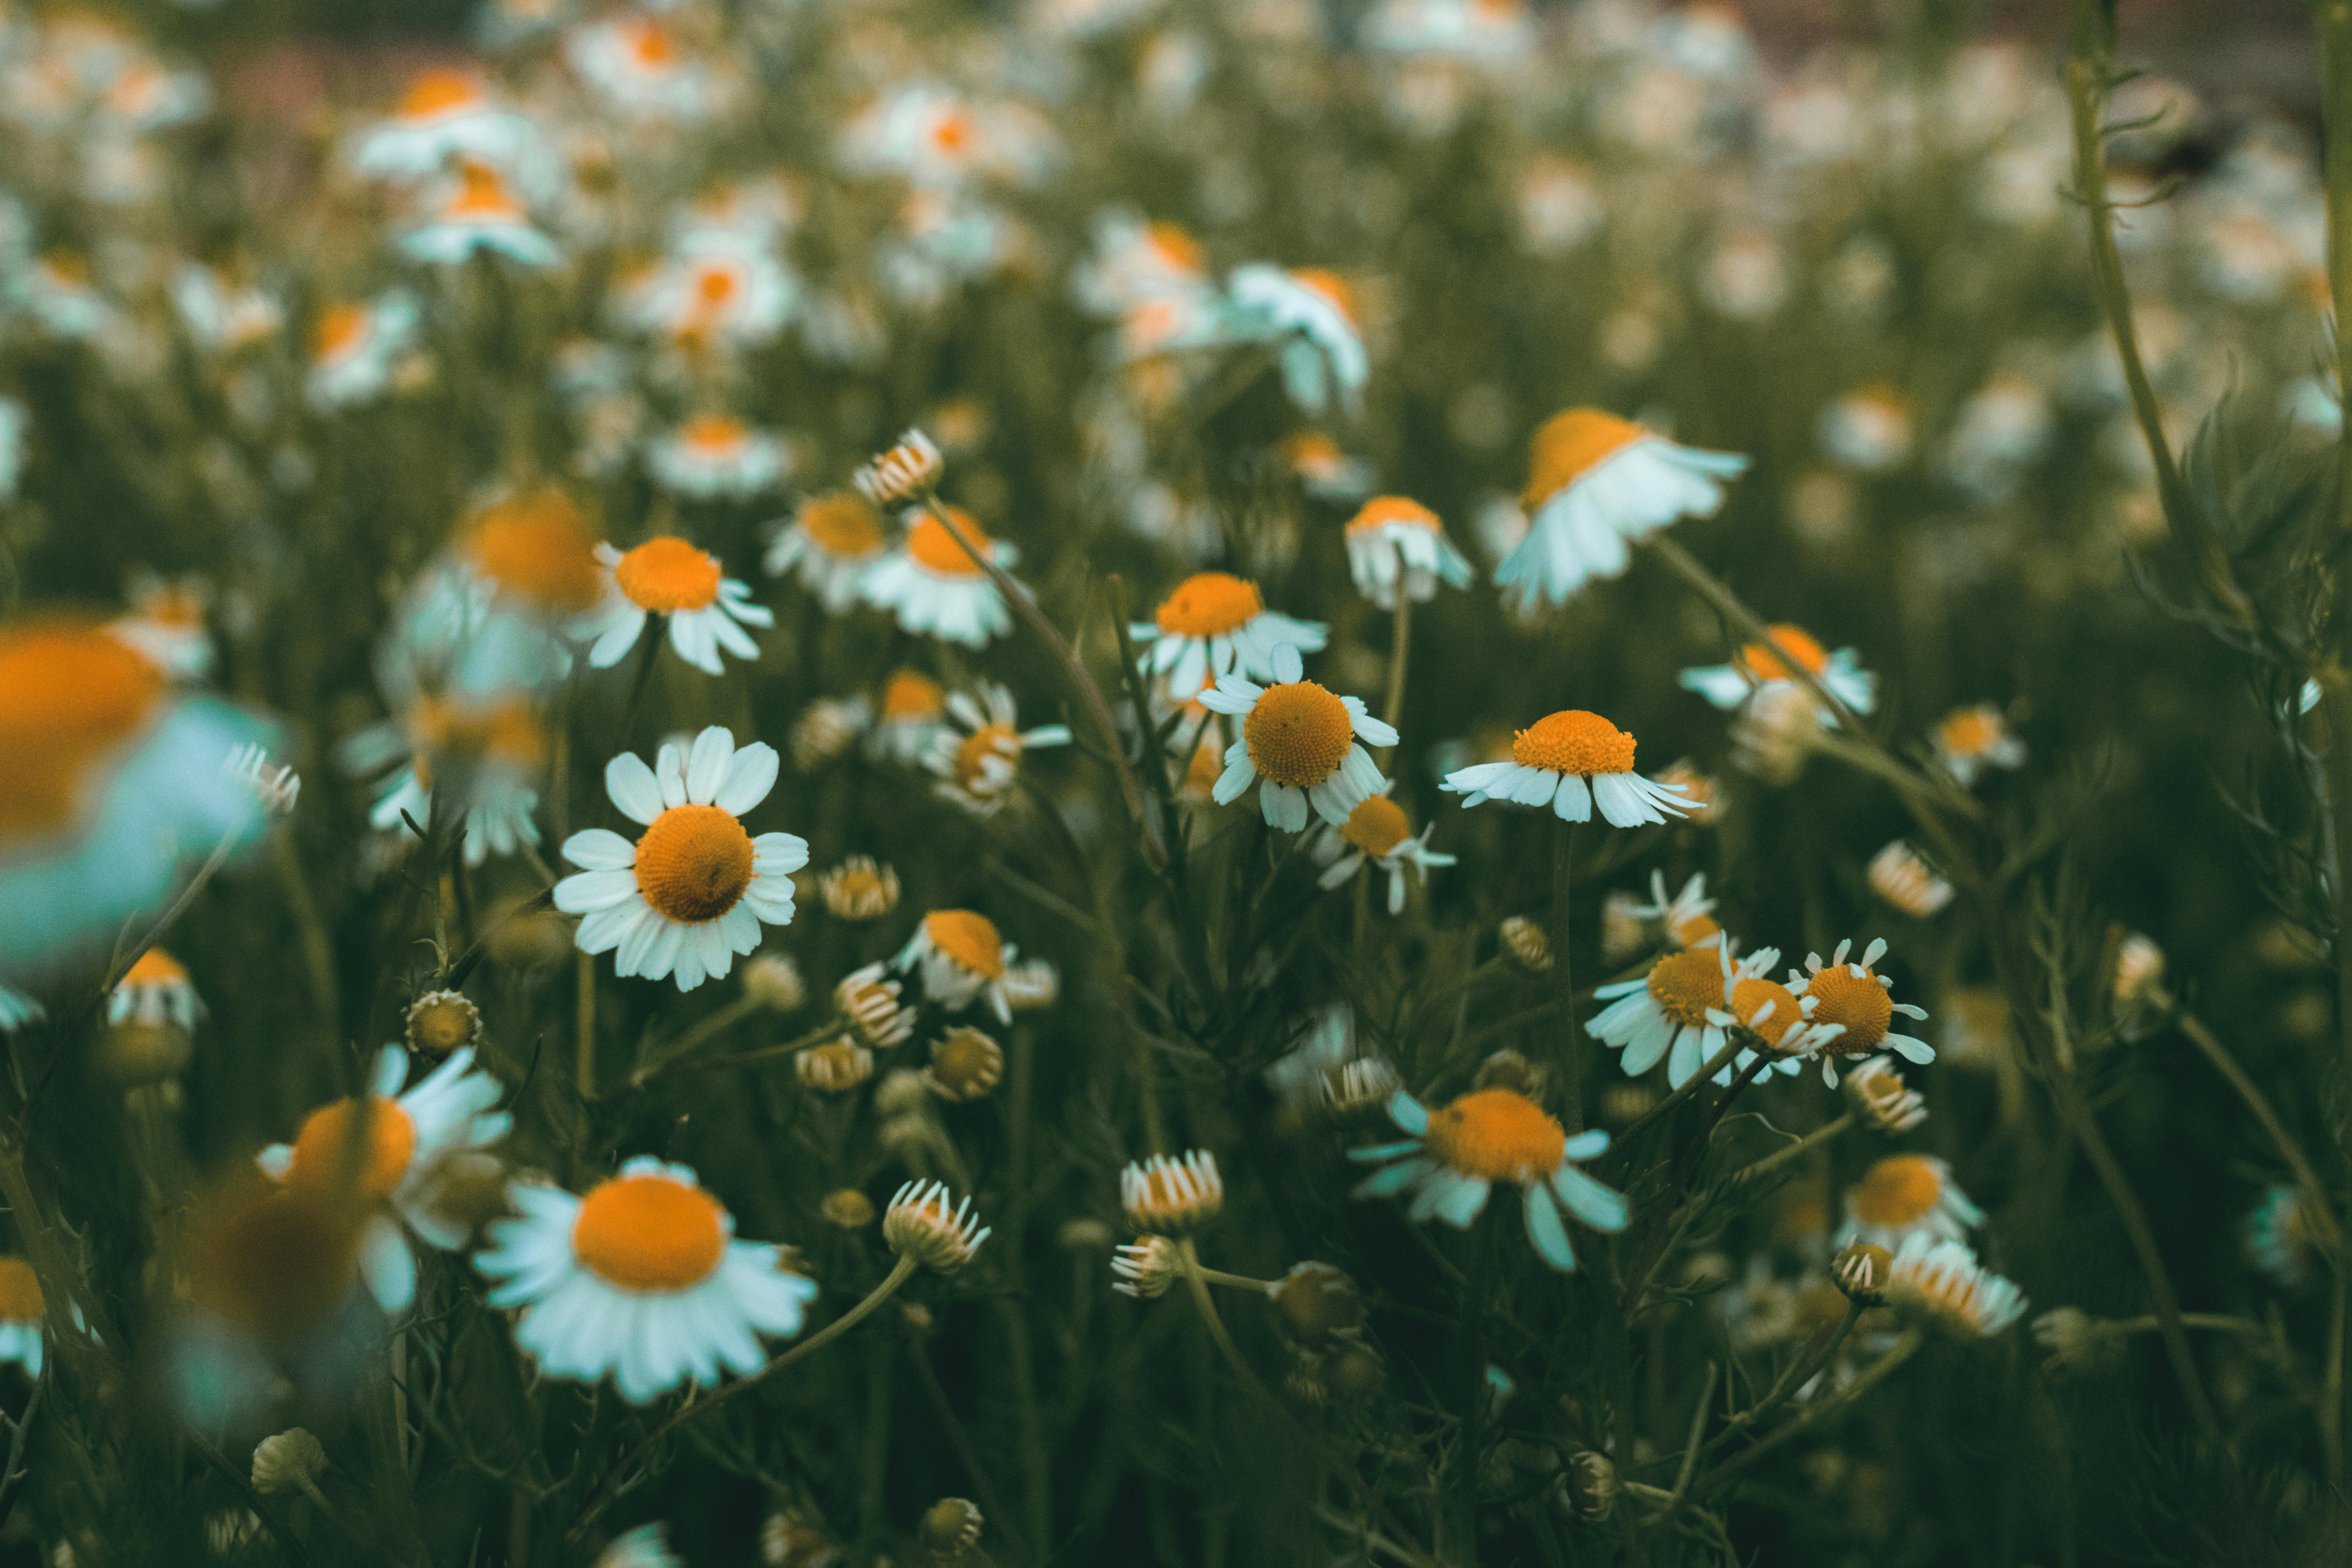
[433,92]
[1574,742]
[1770,661]
[1497,1133]
[1691,930]
[714,287]
[69,695]
[1860,1004]
[481,195]
[667,574]
[649,1233]
[1209,605]
[20,1292]
[1970,732]
[1749,998]
[155,967]
[968,938]
[650,44]
[841,524]
[1331,286]
[1376,827]
[324,1157]
[713,434]
[1176,247]
[936,551]
[1382,510]
[339,330]
[1899,1190]
[536,546]
[1569,444]
[857,884]
[694,863]
[1298,734]
[1685,985]
[909,696]
[988,740]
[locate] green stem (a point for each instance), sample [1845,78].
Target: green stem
[1571,1096]
[1876,1373]
[672,1060]
[1400,646]
[2326,1232]
[1760,1169]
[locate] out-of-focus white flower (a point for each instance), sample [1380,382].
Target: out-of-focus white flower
[1395,542]
[829,542]
[637,63]
[978,758]
[1903,879]
[445,114]
[1971,739]
[480,213]
[718,457]
[1868,430]
[1312,314]
[354,346]
[935,587]
[1761,665]
[1595,484]
[716,285]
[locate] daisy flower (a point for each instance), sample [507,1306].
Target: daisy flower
[1571,761]
[1903,879]
[1302,740]
[907,469]
[1907,1194]
[1323,471]
[936,588]
[831,542]
[1683,1010]
[1595,484]
[1761,665]
[634,61]
[1882,1099]
[2278,1236]
[24,1318]
[961,960]
[1941,1282]
[1851,995]
[641,1279]
[354,345]
[1867,430]
[1163,1196]
[156,990]
[920,1223]
[402,1139]
[1379,832]
[706,610]
[443,115]
[1971,739]
[484,617]
[489,751]
[1312,312]
[478,213]
[1687,919]
[1457,1152]
[1393,540]
[716,457]
[912,711]
[977,756]
[1132,262]
[219,316]
[717,286]
[692,891]
[1215,623]
[166,623]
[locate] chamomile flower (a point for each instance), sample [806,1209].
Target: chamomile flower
[1312,314]
[1596,483]
[1377,832]
[166,623]
[1303,741]
[1159,1195]
[484,618]
[1457,1152]
[488,753]
[1684,1010]
[354,344]
[1758,665]
[830,543]
[24,1317]
[1941,1282]
[690,894]
[154,990]
[1393,540]
[1215,623]
[445,114]
[935,587]
[1571,761]
[961,959]
[1132,263]
[706,610]
[716,457]
[978,755]
[1687,919]
[387,1151]
[1868,430]
[2278,1237]
[1853,997]
[1903,879]
[1971,739]
[908,717]
[635,62]
[641,1279]
[478,213]
[1907,1195]
[1323,471]
[718,286]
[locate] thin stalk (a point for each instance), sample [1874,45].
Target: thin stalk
[179,906]
[584,1058]
[1400,646]
[1236,1281]
[1800,1371]
[1760,1169]
[2334,19]
[1871,1377]
[1690,1443]
[1571,1098]
[318,953]
[959,1441]
[1697,1081]
[674,1058]
[2328,1234]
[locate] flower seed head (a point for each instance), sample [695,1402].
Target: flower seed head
[950,1528]
[292,1458]
[1317,1305]
[1525,940]
[440,1022]
[1146,1267]
[1862,1271]
[920,1225]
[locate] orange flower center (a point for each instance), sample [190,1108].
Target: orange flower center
[1176,249]
[1691,930]
[1376,827]
[649,1233]
[339,331]
[1574,742]
[650,45]
[936,551]
[714,435]
[1862,1006]
[1382,510]
[69,695]
[1567,446]
[1970,732]
[20,1292]
[988,740]
[436,92]
[1899,1190]
[1310,449]
[507,730]
[536,546]
[968,938]
[694,863]
[841,524]
[1497,1133]
[1761,662]
[481,195]
[1208,604]
[856,884]
[1685,985]
[1331,286]
[326,1159]
[667,574]
[714,287]
[156,967]
[952,133]
[1749,998]
[1298,734]
[908,696]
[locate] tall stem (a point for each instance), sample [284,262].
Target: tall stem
[1571,1097]
[1400,646]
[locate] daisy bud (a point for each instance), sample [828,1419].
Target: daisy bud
[291,1459]
[1163,1194]
[1317,1305]
[902,1092]
[1775,734]
[1903,879]
[920,1226]
[965,1065]
[276,787]
[913,465]
[440,1022]
[1590,1488]
[2079,1344]
[1361,1084]
[1353,1373]
[1862,1271]
[1525,940]
[826,729]
[859,890]
[788,1542]
[950,1528]
[1146,1267]
[1032,987]
[774,981]
[834,1068]
[870,1002]
[848,1209]
[1507,1068]
[2140,970]
[1882,1098]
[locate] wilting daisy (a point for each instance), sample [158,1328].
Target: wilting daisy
[354,345]
[977,758]
[1171,1196]
[1758,665]
[478,213]
[1215,623]
[154,990]
[908,717]
[634,61]
[718,457]
[706,610]
[1458,1151]
[1595,484]
[1971,739]
[692,891]
[1851,995]
[961,959]
[1907,1194]
[642,1280]
[386,1150]
[935,587]
[1378,832]
[1570,761]
[830,543]
[1941,1282]
[1311,313]
[1393,540]
[1302,740]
